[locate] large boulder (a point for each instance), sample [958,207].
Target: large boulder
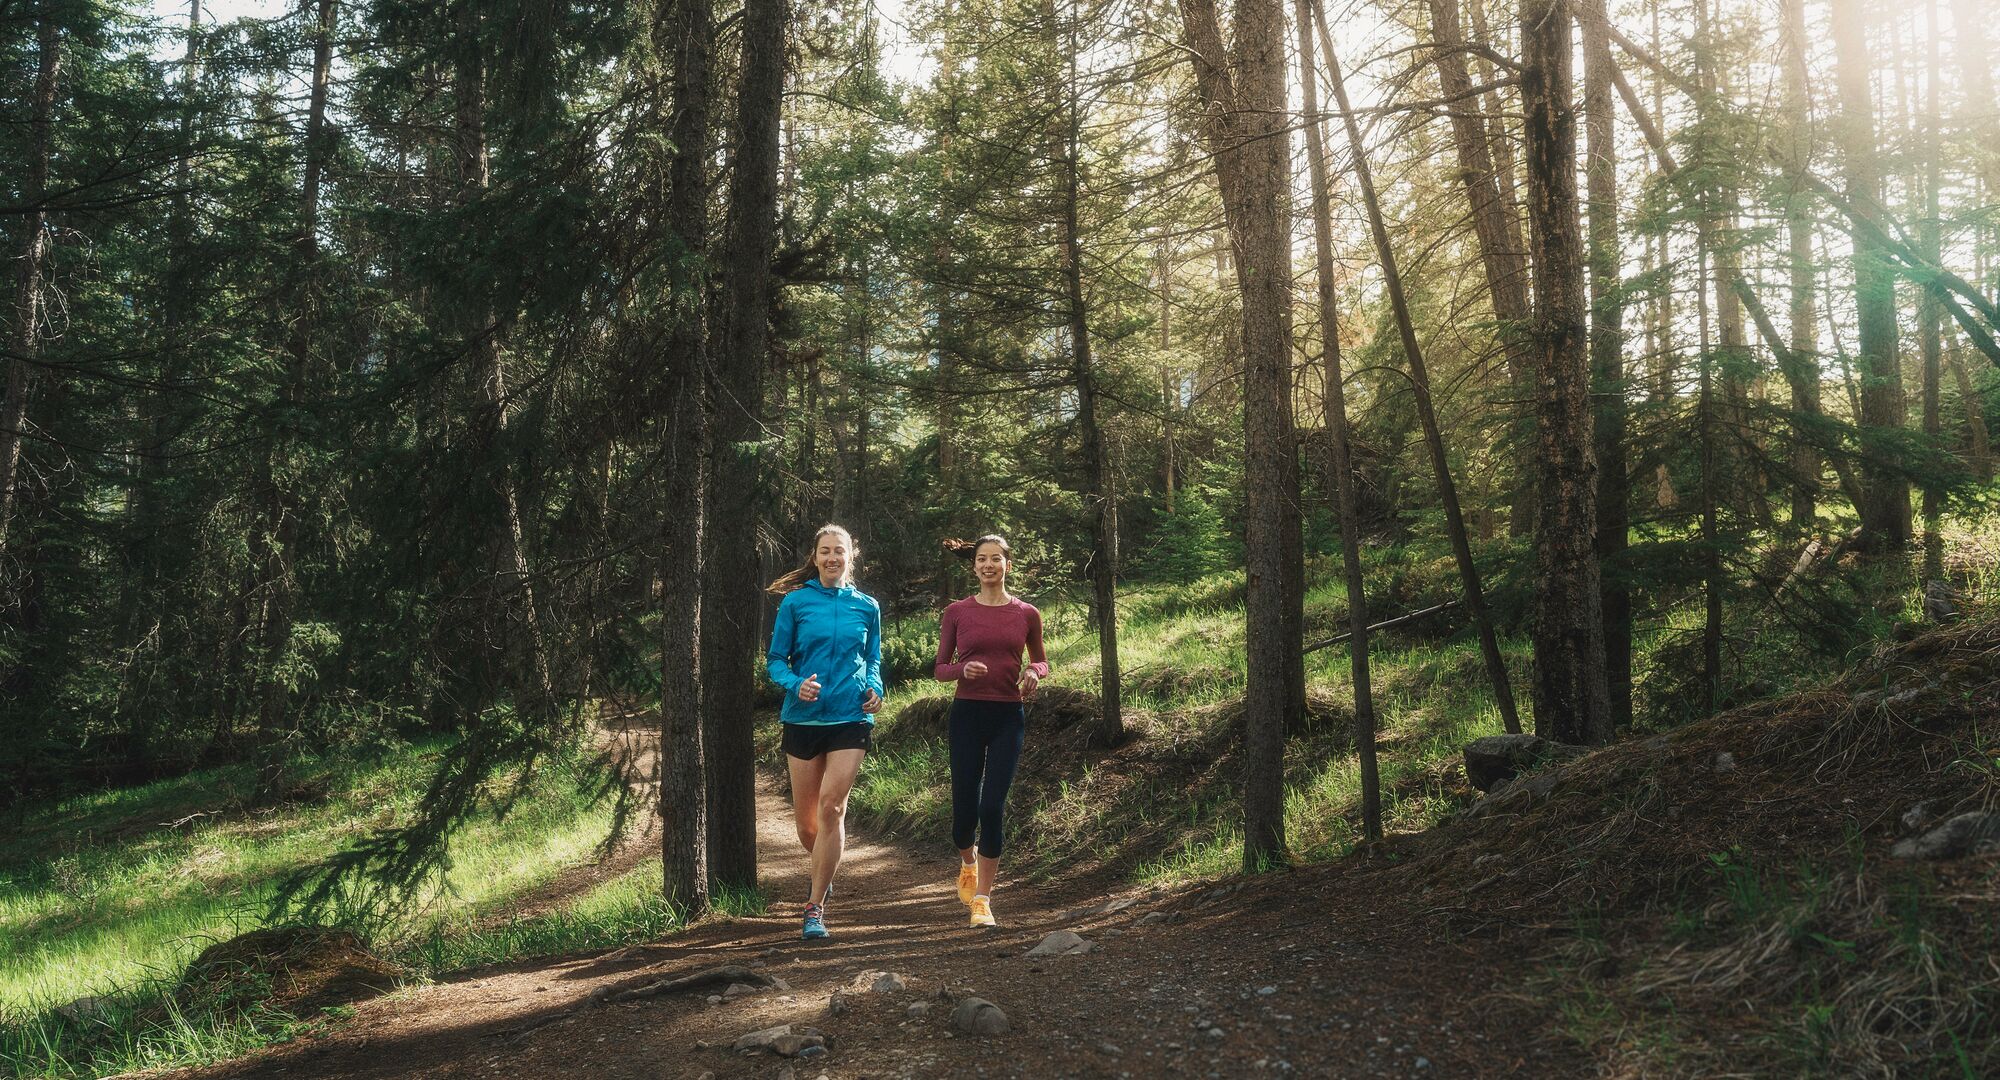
[978,1016]
[1975,833]
[1504,757]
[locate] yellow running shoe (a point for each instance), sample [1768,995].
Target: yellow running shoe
[968,880]
[982,912]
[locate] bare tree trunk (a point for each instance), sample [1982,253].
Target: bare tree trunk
[1110,728]
[731,603]
[1711,631]
[1335,404]
[25,341]
[1514,246]
[1420,385]
[1979,451]
[1571,702]
[1930,313]
[1244,121]
[1493,223]
[1803,371]
[1885,509]
[687,28]
[1607,358]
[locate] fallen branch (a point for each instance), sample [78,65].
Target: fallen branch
[719,976]
[1397,621]
[178,822]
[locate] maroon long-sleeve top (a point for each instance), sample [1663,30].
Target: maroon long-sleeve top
[996,634]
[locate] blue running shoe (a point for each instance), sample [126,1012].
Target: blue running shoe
[815,927]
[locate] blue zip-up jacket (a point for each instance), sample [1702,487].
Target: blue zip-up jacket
[835,634]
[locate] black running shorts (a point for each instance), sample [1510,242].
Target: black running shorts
[808,741]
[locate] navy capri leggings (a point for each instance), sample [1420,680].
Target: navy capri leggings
[986,740]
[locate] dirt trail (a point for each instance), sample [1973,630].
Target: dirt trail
[1279,976]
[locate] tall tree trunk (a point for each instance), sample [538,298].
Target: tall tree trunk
[1244,122]
[513,583]
[1110,728]
[686,27]
[1711,544]
[1803,371]
[1335,406]
[1420,386]
[1493,224]
[282,508]
[1506,170]
[1607,358]
[1716,233]
[1170,391]
[1979,448]
[1930,313]
[1885,509]
[26,339]
[1571,702]
[731,604]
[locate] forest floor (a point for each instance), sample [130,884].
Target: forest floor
[1277,975]
[1727,898]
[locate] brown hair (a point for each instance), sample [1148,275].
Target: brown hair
[796,579]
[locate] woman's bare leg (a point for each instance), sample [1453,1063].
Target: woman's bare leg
[837,779]
[806,780]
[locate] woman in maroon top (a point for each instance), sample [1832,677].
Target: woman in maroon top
[980,642]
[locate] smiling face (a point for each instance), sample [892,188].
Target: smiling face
[990,564]
[831,557]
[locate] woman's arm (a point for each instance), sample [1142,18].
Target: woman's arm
[777,658]
[946,670]
[1038,660]
[873,679]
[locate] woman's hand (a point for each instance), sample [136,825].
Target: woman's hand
[871,704]
[809,689]
[1029,683]
[975,669]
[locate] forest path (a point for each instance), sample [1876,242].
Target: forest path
[1269,977]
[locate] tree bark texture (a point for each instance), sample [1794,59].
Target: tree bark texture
[1420,387]
[1571,703]
[686,27]
[1885,506]
[1607,358]
[1244,122]
[1096,458]
[25,341]
[730,599]
[1335,405]
[1802,372]
[1500,254]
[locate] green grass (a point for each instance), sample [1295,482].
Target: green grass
[103,896]
[1181,651]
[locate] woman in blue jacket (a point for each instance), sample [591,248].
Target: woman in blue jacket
[826,655]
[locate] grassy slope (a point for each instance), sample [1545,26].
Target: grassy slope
[1164,806]
[109,895]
